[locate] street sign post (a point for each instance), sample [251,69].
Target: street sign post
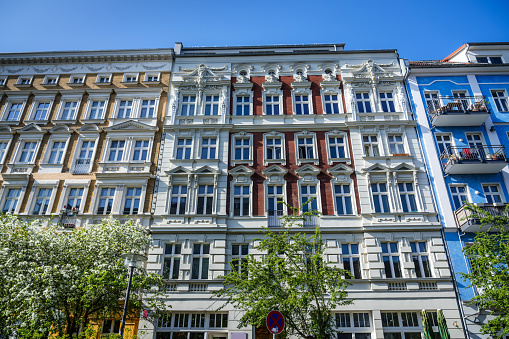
[275,322]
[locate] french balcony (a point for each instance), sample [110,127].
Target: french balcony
[468,223]
[275,219]
[458,111]
[474,159]
[68,218]
[81,166]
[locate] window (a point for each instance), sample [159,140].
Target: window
[211,104]
[239,257]
[14,111]
[399,325]
[343,320]
[97,109]
[69,110]
[124,109]
[42,200]
[243,105]
[390,258]
[337,147]
[132,200]
[27,152]
[241,199]
[489,59]
[57,152]
[218,320]
[184,147]
[432,101]
[152,77]
[50,80]
[103,79]
[178,199]
[11,200]
[407,196]
[273,148]
[42,110]
[380,197]
[443,142]
[86,151]
[305,148]
[22,80]
[141,149]
[274,195]
[74,198]
[460,96]
[308,192]
[3,150]
[302,104]
[331,103]
[200,267]
[131,78]
[111,326]
[171,265]
[363,102]
[370,146]
[205,199]
[420,259]
[148,108]
[396,145]
[242,148]
[343,199]
[271,104]
[459,196]
[492,193]
[500,98]
[188,105]
[387,102]
[208,148]
[116,150]
[351,260]
[3,80]
[106,200]
[360,320]
[77,79]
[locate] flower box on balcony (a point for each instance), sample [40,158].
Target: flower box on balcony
[400,154]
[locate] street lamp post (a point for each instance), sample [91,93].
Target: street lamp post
[131,261]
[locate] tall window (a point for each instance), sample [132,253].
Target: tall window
[27,152]
[178,199]
[241,200]
[420,259]
[188,105]
[148,108]
[337,147]
[459,195]
[132,200]
[306,148]
[308,192]
[363,102]
[11,200]
[14,111]
[274,195]
[171,265]
[407,196]
[205,199]
[500,99]
[69,111]
[396,143]
[461,97]
[74,198]
[239,257]
[200,268]
[243,105]
[3,149]
[351,260]
[390,257]
[141,148]
[343,199]
[184,147]
[272,104]
[116,150]
[42,110]
[106,200]
[208,148]
[42,200]
[57,152]
[443,142]
[274,150]
[302,104]
[218,320]
[387,102]
[97,109]
[124,109]
[242,148]
[380,197]
[211,104]
[402,325]
[492,193]
[370,143]
[87,149]
[432,101]
[331,103]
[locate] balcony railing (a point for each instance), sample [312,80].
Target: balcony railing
[311,221]
[445,110]
[82,166]
[68,217]
[275,219]
[474,159]
[466,221]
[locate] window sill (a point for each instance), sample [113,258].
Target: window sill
[93,121]
[206,160]
[103,83]
[37,122]
[266,162]
[50,85]
[242,162]
[127,83]
[307,161]
[61,122]
[10,122]
[158,82]
[334,160]
[72,84]
[23,85]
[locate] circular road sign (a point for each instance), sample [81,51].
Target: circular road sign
[275,322]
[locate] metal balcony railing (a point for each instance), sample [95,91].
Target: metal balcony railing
[68,217]
[456,154]
[311,221]
[455,104]
[274,219]
[82,166]
[464,217]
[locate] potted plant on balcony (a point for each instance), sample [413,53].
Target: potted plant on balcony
[496,155]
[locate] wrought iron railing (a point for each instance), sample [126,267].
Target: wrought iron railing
[275,219]
[457,154]
[466,217]
[454,104]
[68,217]
[82,166]
[311,221]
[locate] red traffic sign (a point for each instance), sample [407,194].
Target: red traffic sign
[275,322]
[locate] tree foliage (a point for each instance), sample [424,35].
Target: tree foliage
[59,280]
[489,269]
[292,277]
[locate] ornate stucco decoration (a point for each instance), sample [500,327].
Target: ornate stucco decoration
[371,71]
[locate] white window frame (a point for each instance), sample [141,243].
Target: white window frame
[281,136]
[37,185]
[206,197]
[148,148]
[133,198]
[489,59]
[171,258]
[77,77]
[351,329]
[3,80]
[273,92]
[351,194]
[6,187]
[306,134]
[96,98]
[318,199]
[276,195]
[129,76]
[7,139]
[442,142]
[240,258]
[98,193]
[21,79]
[406,194]
[242,135]
[387,100]
[243,93]
[332,102]
[402,145]
[124,149]
[196,108]
[119,106]
[70,184]
[14,100]
[419,255]
[179,194]
[499,191]
[49,148]
[350,257]
[386,193]
[215,146]
[47,78]
[336,134]
[200,256]
[503,98]
[156,75]
[140,108]
[46,99]
[364,101]
[61,107]
[390,254]
[107,76]
[82,138]
[371,153]
[203,104]
[467,193]
[185,146]
[302,92]
[19,150]
[403,329]
[242,197]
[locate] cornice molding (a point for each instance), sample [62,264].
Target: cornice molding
[50,60]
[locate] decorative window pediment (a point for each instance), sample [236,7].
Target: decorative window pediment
[241,170]
[300,72]
[329,72]
[206,170]
[243,75]
[179,170]
[405,168]
[89,128]
[308,172]
[32,128]
[275,174]
[131,125]
[340,170]
[376,168]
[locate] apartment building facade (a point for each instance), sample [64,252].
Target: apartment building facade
[248,126]
[461,105]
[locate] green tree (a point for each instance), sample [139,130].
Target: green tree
[58,281]
[292,277]
[489,268]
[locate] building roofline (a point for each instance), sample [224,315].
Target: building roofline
[455,52]
[487,43]
[272,53]
[262,46]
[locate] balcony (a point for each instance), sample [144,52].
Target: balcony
[68,218]
[474,159]
[467,223]
[275,219]
[81,166]
[458,111]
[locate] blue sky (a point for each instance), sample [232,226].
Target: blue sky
[420,30]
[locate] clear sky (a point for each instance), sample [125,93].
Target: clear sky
[420,30]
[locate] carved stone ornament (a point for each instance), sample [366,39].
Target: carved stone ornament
[299,77]
[271,78]
[242,79]
[374,71]
[329,77]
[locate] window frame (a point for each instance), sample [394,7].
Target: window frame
[100,76]
[335,196]
[171,258]
[346,147]
[272,92]
[419,254]
[242,197]
[7,139]
[127,76]
[90,102]
[504,99]
[62,107]
[213,103]
[6,188]
[148,148]
[407,195]
[380,200]
[206,197]
[80,77]
[441,142]
[499,191]
[79,148]
[387,101]
[107,198]
[133,199]
[179,196]
[402,146]
[315,160]
[152,74]
[8,107]
[38,100]
[3,80]
[350,255]
[274,135]
[453,194]
[34,195]
[400,329]
[363,100]
[242,135]
[200,256]
[19,151]
[48,77]
[390,254]
[242,93]
[70,184]
[209,147]
[185,146]
[49,149]
[489,61]
[371,153]
[22,79]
